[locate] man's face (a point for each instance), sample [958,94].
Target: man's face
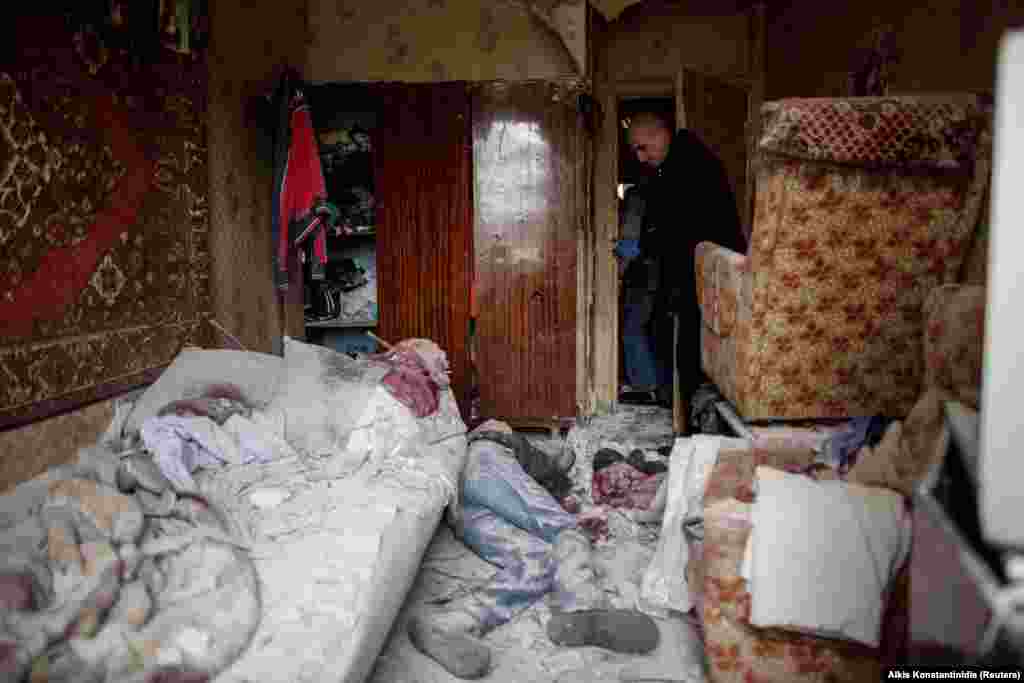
[650,144]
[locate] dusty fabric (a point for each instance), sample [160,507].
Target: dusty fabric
[704,416]
[908,449]
[194,372]
[622,485]
[116,595]
[182,445]
[543,468]
[637,458]
[510,521]
[413,375]
[840,450]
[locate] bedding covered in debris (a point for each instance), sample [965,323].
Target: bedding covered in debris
[248,518]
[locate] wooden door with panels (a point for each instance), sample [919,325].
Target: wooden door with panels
[529,197]
[424,179]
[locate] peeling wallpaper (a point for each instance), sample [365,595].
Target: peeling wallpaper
[441,40]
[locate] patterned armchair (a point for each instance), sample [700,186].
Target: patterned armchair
[737,652]
[863,206]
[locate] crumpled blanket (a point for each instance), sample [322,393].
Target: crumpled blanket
[622,485]
[840,450]
[94,588]
[409,381]
[419,370]
[182,445]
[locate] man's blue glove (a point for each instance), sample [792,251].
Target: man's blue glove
[627,249]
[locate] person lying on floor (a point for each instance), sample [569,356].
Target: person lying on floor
[510,520]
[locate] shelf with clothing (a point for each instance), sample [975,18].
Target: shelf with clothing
[346,297]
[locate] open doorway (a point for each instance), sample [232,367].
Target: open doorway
[638,377]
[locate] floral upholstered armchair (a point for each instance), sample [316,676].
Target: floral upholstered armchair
[737,652]
[863,206]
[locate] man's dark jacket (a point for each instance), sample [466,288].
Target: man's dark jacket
[689,200]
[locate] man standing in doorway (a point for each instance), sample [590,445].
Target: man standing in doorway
[689,200]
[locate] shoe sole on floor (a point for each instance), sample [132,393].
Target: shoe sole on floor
[619,630]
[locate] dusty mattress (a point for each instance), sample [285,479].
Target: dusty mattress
[335,555]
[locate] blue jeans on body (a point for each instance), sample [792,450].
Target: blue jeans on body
[641,363]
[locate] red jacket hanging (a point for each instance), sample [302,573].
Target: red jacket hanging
[302,187]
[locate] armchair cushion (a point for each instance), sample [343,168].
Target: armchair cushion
[844,544]
[738,652]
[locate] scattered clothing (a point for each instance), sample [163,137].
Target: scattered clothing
[637,458]
[594,521]
[704,417]
[301,188]
[840,450]
[409,380]
[182,445]
[622,485]
[217,409]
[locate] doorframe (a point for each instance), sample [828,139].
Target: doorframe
[599,392]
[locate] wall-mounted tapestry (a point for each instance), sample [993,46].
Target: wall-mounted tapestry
[104,255]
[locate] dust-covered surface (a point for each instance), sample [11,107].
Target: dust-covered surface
[521,650]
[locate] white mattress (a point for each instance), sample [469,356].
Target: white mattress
[338,553]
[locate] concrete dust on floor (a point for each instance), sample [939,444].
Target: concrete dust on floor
[521,650]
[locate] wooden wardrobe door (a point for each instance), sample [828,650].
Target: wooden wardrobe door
[716,109]
[423,180]
[528,160]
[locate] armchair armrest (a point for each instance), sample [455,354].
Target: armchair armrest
[733,476]
[720,286]
[953,340]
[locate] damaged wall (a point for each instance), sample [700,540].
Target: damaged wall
[245,65]
[445,40]
[944,44]
[650,40]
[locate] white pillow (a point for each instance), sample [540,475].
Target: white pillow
[822,555]
[337,408]
[256,374]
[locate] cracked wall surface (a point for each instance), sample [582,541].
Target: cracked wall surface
[445,40]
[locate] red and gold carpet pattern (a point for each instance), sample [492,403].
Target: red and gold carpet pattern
[104,257]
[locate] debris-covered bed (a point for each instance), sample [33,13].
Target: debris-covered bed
[247,518]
